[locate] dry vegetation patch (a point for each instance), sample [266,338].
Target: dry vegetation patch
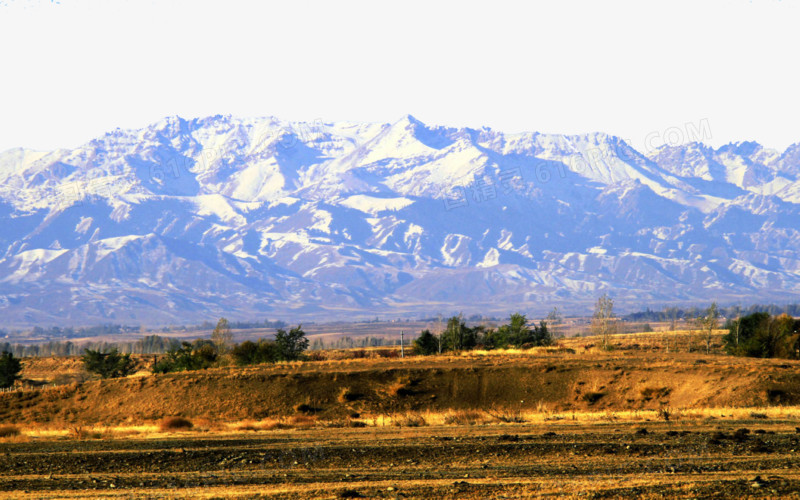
[168,424]
[9,431]
[466,417]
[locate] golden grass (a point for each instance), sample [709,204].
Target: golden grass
[449,418]
[515,416]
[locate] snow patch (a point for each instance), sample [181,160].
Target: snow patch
[372,205]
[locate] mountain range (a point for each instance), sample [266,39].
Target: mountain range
[188,220]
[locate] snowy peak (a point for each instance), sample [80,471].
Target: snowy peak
[246,217]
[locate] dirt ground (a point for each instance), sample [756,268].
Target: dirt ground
[646,420]
[692,459]
[560,380]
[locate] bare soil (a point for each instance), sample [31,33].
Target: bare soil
[601,460]
[561,381]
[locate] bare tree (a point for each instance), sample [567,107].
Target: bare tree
[709,323]
[603,320]
[222,336]
[554,321]
[737,323]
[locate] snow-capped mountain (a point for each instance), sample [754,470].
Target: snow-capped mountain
[187,220]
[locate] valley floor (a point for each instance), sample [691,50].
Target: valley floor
[705,458]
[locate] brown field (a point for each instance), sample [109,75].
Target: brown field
[566,421]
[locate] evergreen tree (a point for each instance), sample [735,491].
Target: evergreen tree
[110,364]
[9,369]
[426,344]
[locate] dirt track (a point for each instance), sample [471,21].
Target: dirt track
[494,461]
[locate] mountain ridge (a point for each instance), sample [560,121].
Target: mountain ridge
[188,220]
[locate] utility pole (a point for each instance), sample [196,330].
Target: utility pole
[402,343]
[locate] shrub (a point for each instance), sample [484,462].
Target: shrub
[506,415]
[80,432]
[410,420]
[249,352]
[110,364]
[9,430]
[175,424]
[464,417]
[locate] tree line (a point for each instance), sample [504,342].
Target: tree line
[668,314]
[205,353]
[763,335]
[457,336]
[151,344]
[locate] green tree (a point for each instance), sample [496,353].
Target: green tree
[291,345]
[426,344]
[109,364]
[763,336]
[9,369]
[199,355]
[541,335]
[519,333]
[222,336]
[457,336]
[249,352]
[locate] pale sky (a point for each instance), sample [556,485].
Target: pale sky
[72,70]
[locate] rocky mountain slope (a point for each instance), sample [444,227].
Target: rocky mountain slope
[188,220]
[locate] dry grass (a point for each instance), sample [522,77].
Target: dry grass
[494,383]
[403,386]
[81,433]
[410,419]
[466,417]
[508,415]
[502,417]
[247,425]
[302,421]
